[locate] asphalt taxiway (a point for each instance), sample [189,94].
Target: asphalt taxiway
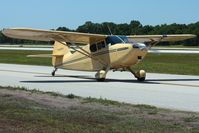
[162,90]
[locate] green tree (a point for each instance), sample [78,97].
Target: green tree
[63,29]
[133,28]
[136,27]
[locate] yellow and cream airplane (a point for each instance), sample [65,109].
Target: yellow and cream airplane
[100,53]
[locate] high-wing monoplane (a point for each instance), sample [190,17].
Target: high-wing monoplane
[99,53]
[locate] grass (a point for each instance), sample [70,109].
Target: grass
[19,57]
[156,63]
[18,114]
[170,63]
[70,96]
[105,102]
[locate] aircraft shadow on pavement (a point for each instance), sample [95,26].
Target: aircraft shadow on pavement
[53,80]
[68,76]
[58,81]
[91,79]
[173,80]
[150,81]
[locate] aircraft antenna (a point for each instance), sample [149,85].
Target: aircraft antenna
[109,29]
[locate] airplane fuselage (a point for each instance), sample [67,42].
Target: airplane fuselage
[116,56]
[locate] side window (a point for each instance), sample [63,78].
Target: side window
[101,45]
[97,46]
[93,48]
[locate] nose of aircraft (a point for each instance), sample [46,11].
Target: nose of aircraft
[140,46]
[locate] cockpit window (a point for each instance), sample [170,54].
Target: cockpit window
[125,39]
[116,39]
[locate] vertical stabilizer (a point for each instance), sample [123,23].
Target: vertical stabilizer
[59,51]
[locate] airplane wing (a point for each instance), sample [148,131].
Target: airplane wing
[50,35]
[160,38]
[84,38]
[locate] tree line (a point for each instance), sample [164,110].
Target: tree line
[133,28]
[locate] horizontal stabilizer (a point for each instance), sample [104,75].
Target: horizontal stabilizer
[44,55]
[41,56]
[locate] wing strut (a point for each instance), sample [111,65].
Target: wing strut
[153,42]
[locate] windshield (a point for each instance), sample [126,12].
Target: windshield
[116,39]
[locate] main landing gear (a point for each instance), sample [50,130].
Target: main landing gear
[140,75]
[53,72]
[101,75]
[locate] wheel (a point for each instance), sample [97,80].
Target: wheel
[101,80]
[141,79]
[141,75]
[100,76]
[53,73]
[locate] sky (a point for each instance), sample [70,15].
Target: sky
[50,14]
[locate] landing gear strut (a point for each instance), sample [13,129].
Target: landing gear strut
[53,72]
[140,75]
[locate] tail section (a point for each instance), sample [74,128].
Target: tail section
[59,51]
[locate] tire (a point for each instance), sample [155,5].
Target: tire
[141,79]
[101,80]
[53,74]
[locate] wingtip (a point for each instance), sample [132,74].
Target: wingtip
[4,31]
[192,36]
[189,35]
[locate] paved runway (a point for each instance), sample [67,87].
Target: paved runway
[162,90]
[153,50]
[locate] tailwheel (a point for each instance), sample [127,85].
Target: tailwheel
[101,76]
[53,72]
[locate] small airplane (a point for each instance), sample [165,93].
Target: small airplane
[99,53]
